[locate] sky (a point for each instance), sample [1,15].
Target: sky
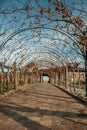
[24,15]
[45,78]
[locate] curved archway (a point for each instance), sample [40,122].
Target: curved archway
[47,34]
[46,78]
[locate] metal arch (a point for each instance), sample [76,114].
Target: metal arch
[39,27]
[46,53]
[41,58]
[13,50]
[39,16]
[56,50]
[61,53]
[35,8]
[27,58]
[49,48]
[35,55]
[33,49]
[46,27]
[31,55]
[35,36]
[50,39]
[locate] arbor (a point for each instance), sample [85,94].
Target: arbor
[51,31]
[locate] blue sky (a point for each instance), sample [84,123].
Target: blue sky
[20,19]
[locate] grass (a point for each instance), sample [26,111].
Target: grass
[76,85]
[6,88]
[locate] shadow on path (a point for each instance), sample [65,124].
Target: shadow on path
[13,112]
[23,120]
[50,96]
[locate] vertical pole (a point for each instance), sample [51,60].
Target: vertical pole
[86,70]
[3,77]
[37,76]
[79,76]
[2,83]
[59,79]
[15,76]
[26,79]
[8,87]
[74,83]
[41,78]
[71,78]
[56,78]
[66,76]
[20,76]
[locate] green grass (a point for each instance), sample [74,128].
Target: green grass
[6,88]
[76,85]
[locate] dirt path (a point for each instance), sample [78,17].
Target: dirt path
[42,107]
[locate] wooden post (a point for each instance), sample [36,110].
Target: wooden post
[26,79]
[56,78]
[41,77]
[37,76]
[8,81]
[66,76]
[2,85]
[86,70]
[84,42]
[59,78]
[15,76]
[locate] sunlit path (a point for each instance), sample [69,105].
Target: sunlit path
[42,107]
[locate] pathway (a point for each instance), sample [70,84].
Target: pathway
[42,107]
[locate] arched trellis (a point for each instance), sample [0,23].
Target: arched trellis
[40,27]
[44,56]
[20,32]
[15,33]
[63,12]
[71,38]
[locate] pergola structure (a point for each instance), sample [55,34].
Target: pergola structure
[42,36]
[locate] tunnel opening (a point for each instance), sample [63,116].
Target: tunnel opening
[46,78]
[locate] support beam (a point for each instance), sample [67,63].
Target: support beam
[36,76]
[56,78]
[41,78]
[8,81]
[66,78]
[3,79]
[26,80]
[15,76]
[59,77]
[2,83]
[86,69]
